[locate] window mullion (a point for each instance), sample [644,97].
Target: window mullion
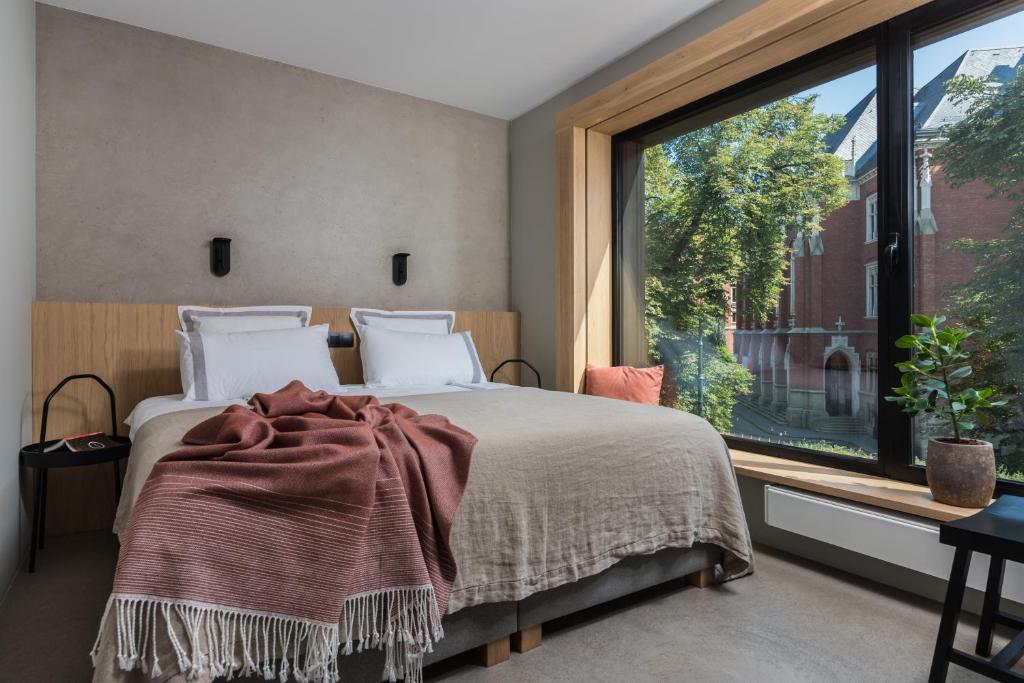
[895,239]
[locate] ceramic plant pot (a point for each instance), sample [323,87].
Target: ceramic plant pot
[961,474]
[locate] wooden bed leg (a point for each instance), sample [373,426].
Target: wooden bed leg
[527,638]
[494,652]
[702,579]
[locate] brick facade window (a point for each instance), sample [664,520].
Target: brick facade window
[871,218]
[871,290]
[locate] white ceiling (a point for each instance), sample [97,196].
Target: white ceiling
[497,57]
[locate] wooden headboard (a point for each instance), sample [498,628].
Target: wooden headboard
[132,347]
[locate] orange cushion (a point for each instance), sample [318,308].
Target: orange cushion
[640,385]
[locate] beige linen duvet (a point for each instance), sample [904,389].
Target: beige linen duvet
[561,486]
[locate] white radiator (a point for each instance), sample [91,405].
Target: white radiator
[899,539]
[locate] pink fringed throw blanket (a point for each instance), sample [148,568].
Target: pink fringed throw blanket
[283,535]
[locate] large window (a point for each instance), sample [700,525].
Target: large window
[771,241]
[968,230]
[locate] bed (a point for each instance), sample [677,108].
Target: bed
[571,501]
[571,485]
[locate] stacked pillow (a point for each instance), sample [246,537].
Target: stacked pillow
[414,348]
[233,353]
[243,318]
[229,353]
[427,322]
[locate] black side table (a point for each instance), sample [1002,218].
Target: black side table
[36,457]
[997,531]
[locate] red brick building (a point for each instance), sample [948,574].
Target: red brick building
[815,360]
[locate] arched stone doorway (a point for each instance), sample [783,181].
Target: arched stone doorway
[838,386]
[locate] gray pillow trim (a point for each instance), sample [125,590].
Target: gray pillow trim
[189,316]
[199,386]
[478,371]
[361,317]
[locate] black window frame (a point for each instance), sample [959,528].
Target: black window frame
[893,43]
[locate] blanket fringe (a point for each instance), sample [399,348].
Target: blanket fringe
[224,642]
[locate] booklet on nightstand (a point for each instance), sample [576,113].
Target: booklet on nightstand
[93,441]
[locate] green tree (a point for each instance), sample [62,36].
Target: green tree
[988,145]
[722,205]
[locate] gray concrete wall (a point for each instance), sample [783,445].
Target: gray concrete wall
[532,176]
[17,262]
[150,145]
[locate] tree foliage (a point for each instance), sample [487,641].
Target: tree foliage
[988,145]
[722,205]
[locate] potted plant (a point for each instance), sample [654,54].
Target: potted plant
[961,471]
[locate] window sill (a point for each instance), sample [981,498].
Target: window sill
[889,494]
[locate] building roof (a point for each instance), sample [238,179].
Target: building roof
[933,107]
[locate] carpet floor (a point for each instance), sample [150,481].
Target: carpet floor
[790,621]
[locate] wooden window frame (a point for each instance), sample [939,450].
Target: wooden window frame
[766,37]
[587,294]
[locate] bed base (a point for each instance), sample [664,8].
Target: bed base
[483,629]
[629,575]
[694,565]
[491,631]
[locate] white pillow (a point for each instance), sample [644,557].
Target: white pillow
[431,322]
[242,318]
[246,323]
[416,358]
[228,365]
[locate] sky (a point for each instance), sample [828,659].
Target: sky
[839,96]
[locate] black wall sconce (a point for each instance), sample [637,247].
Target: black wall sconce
[400,268]
[220,256]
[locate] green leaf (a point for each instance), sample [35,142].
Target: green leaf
[920,320]
[960,372]
[907,341]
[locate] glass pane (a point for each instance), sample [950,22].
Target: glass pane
[969,222]
[759,268]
